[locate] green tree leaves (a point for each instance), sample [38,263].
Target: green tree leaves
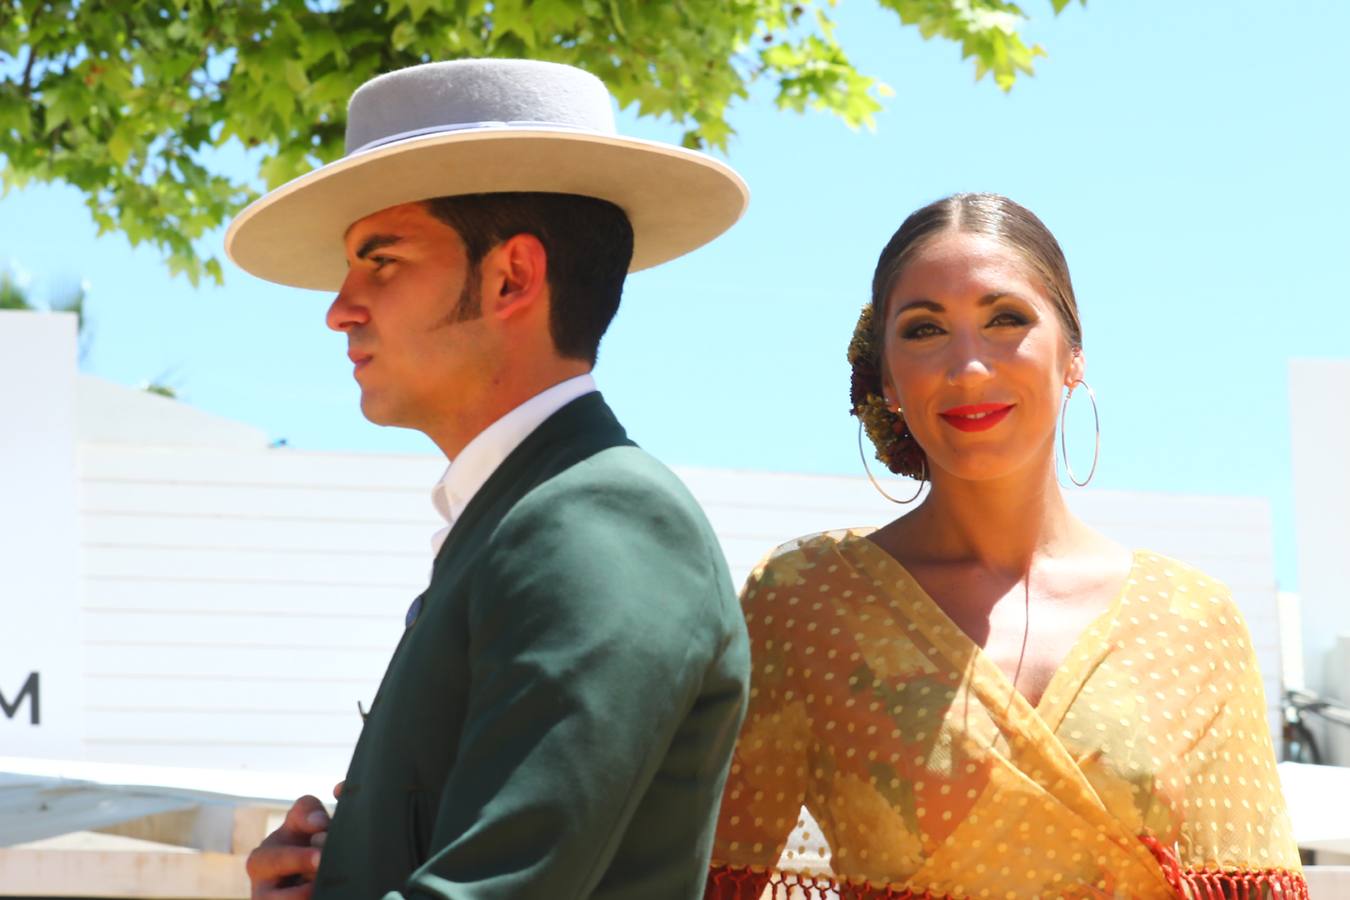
[125,100]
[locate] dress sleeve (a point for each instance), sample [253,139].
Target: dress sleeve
[769,771]
[1236,838]
[592,629]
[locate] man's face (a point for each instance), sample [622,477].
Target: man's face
[411,312]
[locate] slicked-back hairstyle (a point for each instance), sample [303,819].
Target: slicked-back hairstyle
[997,217]
[588,242]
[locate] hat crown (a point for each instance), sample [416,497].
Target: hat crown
[449,96]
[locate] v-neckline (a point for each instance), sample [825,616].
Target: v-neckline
[1069,676]
[1021,722]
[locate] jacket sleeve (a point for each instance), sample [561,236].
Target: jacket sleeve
[592,625]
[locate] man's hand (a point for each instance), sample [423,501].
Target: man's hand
[282,867]
[318,839]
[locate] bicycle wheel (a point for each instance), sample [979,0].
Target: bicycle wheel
[1299,745]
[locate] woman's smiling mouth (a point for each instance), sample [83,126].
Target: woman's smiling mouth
[979,417]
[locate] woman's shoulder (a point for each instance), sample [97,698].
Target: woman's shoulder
[1158,568]
[1189,591]
[795,562]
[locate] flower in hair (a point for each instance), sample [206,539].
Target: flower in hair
[896,447]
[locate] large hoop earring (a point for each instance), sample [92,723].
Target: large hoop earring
[876,484]
[1097,426]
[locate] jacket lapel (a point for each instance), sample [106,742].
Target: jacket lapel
[578,430]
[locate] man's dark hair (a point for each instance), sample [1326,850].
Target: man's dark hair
[589,243]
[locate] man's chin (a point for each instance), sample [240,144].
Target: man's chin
[375,412]
[381,409]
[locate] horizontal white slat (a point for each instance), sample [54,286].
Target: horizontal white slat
[319,763]
[111,627]
[744,552]
[131,696]
[1130,507]
[408,571]
[219,533]
[122,462]
[275,502]
[268,599]
[364,663]
[193,726]
[839,497]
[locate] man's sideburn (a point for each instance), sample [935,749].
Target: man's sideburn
[469,306]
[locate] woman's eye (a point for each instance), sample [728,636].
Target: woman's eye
[920,330]
[1009,318]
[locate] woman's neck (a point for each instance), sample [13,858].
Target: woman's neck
[1001,524]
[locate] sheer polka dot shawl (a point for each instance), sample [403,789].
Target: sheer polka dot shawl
[883,755]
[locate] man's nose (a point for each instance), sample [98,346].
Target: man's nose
[346,312]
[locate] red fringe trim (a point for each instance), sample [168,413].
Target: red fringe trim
[1230,884]
[1236,884]
[728,883]
[1171,865]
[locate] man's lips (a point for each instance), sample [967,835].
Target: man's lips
[977,417]
[359,360]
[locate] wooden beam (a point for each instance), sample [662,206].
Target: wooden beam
[122,874]
[251,825]
[217,829]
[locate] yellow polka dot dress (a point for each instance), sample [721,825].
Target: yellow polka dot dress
[883,755]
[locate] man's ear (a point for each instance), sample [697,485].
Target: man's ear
[515,276]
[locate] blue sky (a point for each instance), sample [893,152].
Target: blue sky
[1191,158]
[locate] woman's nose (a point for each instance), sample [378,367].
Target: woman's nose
[968,363]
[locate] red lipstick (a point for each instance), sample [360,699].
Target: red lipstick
[978,417]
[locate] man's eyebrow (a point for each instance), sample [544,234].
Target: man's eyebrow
[376,242]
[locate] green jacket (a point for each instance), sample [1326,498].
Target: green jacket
[558,720]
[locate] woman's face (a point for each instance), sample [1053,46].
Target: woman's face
[976,357]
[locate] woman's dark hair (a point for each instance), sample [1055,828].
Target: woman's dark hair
[588,242]
[997,217]
[992,215]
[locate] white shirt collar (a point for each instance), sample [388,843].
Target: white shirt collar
[481,456]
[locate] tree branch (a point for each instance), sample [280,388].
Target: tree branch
[28,71]
[25,82]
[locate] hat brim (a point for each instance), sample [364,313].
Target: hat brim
[676,199]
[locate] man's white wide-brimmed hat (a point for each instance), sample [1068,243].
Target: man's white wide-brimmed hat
[483,126]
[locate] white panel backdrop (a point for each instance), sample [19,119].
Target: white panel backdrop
[238,603]
[39,586]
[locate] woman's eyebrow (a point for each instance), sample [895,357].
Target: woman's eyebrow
[934,306]
[921,304]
